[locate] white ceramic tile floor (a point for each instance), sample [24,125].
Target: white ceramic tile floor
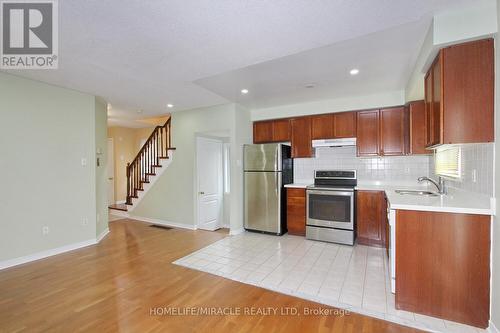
[354,278]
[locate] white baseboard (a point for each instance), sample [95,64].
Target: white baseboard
[162,222]
[492,328]
[116,212]
[236,232]
[102,235]
[52,252]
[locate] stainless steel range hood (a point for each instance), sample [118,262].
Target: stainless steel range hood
[334,142]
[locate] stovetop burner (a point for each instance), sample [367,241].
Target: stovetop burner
[335,179]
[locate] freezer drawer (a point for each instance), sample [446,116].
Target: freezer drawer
[330,235]
[263,201]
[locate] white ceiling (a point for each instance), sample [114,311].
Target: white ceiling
[385,61]
[145,54]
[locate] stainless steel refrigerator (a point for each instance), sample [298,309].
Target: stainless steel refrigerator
[267,168]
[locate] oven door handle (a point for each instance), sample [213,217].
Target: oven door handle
[332,193]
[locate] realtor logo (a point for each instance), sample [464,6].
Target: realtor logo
[29,38]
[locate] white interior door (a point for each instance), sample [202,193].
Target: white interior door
[209,179]
[111,172]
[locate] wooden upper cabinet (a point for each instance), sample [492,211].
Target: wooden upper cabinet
[301,137]
[392,131]
[459,94]
[322,126]
[371,217]
[367,142]
[281,130]
[262,131]
[271,131]
[436,111]
[428,108]
[418,128]
[344,125]
[334,126]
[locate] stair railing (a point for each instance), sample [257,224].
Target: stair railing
[147,159]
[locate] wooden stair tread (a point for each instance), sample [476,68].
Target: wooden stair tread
[121,207]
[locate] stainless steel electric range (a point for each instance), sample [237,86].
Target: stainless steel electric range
[331,207]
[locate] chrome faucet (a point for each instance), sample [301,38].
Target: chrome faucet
[440,186]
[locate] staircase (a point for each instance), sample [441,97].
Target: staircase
[151,160]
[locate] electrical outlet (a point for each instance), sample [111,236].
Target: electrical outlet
[407,170]
[84,161]
[474,175]
[85,221]
[45,230]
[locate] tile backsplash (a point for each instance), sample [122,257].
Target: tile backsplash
[477,157]
[370,169]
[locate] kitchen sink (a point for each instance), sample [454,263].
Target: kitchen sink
[417,192]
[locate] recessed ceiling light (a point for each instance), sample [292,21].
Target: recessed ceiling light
[354,71]
[170,106]
[244,91]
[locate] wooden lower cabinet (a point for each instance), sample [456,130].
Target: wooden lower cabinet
[443,265]
[371,218]
[296,211]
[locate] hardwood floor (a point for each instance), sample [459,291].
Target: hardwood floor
[113,287]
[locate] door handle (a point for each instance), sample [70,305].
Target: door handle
[110,178]
[201,193]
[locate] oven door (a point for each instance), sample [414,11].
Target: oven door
[332,209]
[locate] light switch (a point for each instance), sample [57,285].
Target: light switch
[84,161]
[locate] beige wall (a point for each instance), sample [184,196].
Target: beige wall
[126,143]
[100,129]
[173,197]
[45,132]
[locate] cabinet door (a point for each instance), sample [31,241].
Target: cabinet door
[367,142]
[443,265]
[262,131]
[301,137]
[418,128]
[344,125]
[281,130]
[392,131]
[296,211]
[428,108]
[436,102]
[468,92]
[322,127]
[370,208]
